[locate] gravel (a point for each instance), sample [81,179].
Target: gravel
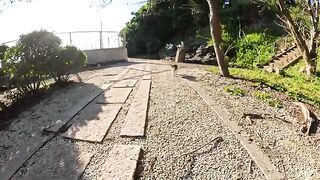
[294,154]
[178,123]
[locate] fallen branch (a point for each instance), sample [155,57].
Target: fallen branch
[250,168]
[217,139]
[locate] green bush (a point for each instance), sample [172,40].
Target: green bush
[3,78]
[27,63]
[70,60]
[3,49]
[253,50]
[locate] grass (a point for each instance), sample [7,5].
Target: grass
[272,101]
[292,83]
[235,91]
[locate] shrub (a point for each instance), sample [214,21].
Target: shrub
[253,50]
[70,60]
[3,49]
[3,78]
[27,64]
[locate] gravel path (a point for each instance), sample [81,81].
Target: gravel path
[179,122]
[294,154]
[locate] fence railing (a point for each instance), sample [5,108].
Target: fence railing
[87,40]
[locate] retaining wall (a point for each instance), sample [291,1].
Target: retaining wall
[97,56]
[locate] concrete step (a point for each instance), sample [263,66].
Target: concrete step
[268,68]
[279,63]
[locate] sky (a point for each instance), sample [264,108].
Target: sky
[66,16]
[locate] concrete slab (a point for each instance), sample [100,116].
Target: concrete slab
[121,163]
[147,73]
[146,77]
[119,76]
[59,162]
[93,124]
[17,160]
[125,83]
[85,93]
[135,121]
[71,104]
[74,108]
[105,86]
[114,96]
[134,74]
[148,68]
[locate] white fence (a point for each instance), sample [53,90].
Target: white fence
[87,40]
[100,46]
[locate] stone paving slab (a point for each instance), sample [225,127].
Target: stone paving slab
[135,121]
[119,76]
[125,83]
[105,86]
[17,160]
[93,124]
[121,163]
[86,91]
[134,74]
[146,77]
[147,73]
[114,96]
[60,162]
[74,105]
[74,108]
[148,68]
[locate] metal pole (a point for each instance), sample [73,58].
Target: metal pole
[101,40]
[108,42]
[70,38]
[118,41]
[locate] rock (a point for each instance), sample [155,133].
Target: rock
[181,53]
[204,50]
[192,49]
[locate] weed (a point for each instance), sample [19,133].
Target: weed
[295,85]
[272,101]
[235,91]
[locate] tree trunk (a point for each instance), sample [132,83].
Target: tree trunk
[309,54]
[216,34]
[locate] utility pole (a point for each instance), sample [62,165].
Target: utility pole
[101,40]
[70,38]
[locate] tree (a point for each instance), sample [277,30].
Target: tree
[216,34]
[309,50]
